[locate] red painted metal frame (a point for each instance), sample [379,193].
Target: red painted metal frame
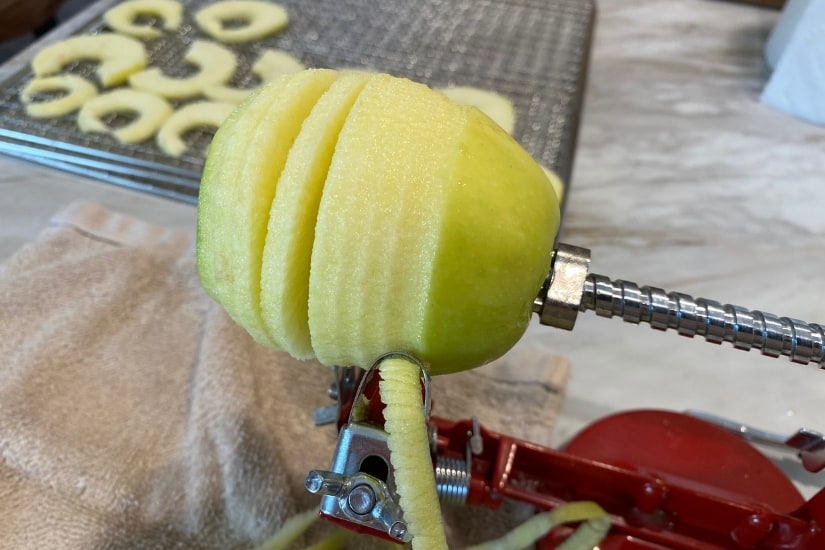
[635,465]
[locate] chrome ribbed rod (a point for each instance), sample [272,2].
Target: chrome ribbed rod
[774,336]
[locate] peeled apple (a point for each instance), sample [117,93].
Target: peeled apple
[344,215]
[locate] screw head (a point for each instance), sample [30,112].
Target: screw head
[398,530]
[361,499]
[314,482]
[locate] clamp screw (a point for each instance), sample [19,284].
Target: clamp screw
[361,499]
[398,530]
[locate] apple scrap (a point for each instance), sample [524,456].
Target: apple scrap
[119,56]
[125,17]
[203,113]
[260,19]
[151,111]
[77,91]
[216,65]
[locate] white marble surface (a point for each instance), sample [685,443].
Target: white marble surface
[683,180]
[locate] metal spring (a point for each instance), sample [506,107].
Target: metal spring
[745,329]
[452,480]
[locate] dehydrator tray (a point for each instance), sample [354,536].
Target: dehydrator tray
[534,52]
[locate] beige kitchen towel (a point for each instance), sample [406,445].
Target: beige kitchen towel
[135,414]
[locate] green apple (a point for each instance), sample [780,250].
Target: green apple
[399,221]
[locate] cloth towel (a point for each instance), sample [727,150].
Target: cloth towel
[135,414]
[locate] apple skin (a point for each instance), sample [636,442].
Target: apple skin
[433,235]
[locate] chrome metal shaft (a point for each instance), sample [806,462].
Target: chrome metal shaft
[569,289]
[746,329]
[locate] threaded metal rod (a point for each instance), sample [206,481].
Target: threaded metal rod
[745,329]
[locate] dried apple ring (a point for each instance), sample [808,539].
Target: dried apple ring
[261,19]
[217,65]
[78,91]
[119,56]
[151,110]
[202,113]
[270,65]
[123,17]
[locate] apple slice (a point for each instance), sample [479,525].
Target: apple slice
[261,19]
[78,91]
[238,186]
[274,63]
[291,230]
[201,113]
[433,237]
[122,17]
[151,111]
[119,56]
[270,65]
[217,65]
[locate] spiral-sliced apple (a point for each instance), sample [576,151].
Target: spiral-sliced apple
[216,65]
[119,56]
[124,17]
[239,183]
[291,230]
[433,234]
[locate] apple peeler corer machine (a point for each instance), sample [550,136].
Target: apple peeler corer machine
[689,481]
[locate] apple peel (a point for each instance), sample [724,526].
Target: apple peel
[408,440]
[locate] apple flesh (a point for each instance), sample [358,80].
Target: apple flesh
[432,233]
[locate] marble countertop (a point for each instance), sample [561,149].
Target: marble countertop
[682,180]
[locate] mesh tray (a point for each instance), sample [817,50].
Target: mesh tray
[532,51]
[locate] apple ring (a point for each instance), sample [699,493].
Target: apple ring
[119,56]
[270,65]
[202,113]
[152,111]
[261,19]
[122,17]
[217,65]
[78,91]
[492,104]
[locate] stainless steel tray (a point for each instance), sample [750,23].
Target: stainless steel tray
[533,51]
